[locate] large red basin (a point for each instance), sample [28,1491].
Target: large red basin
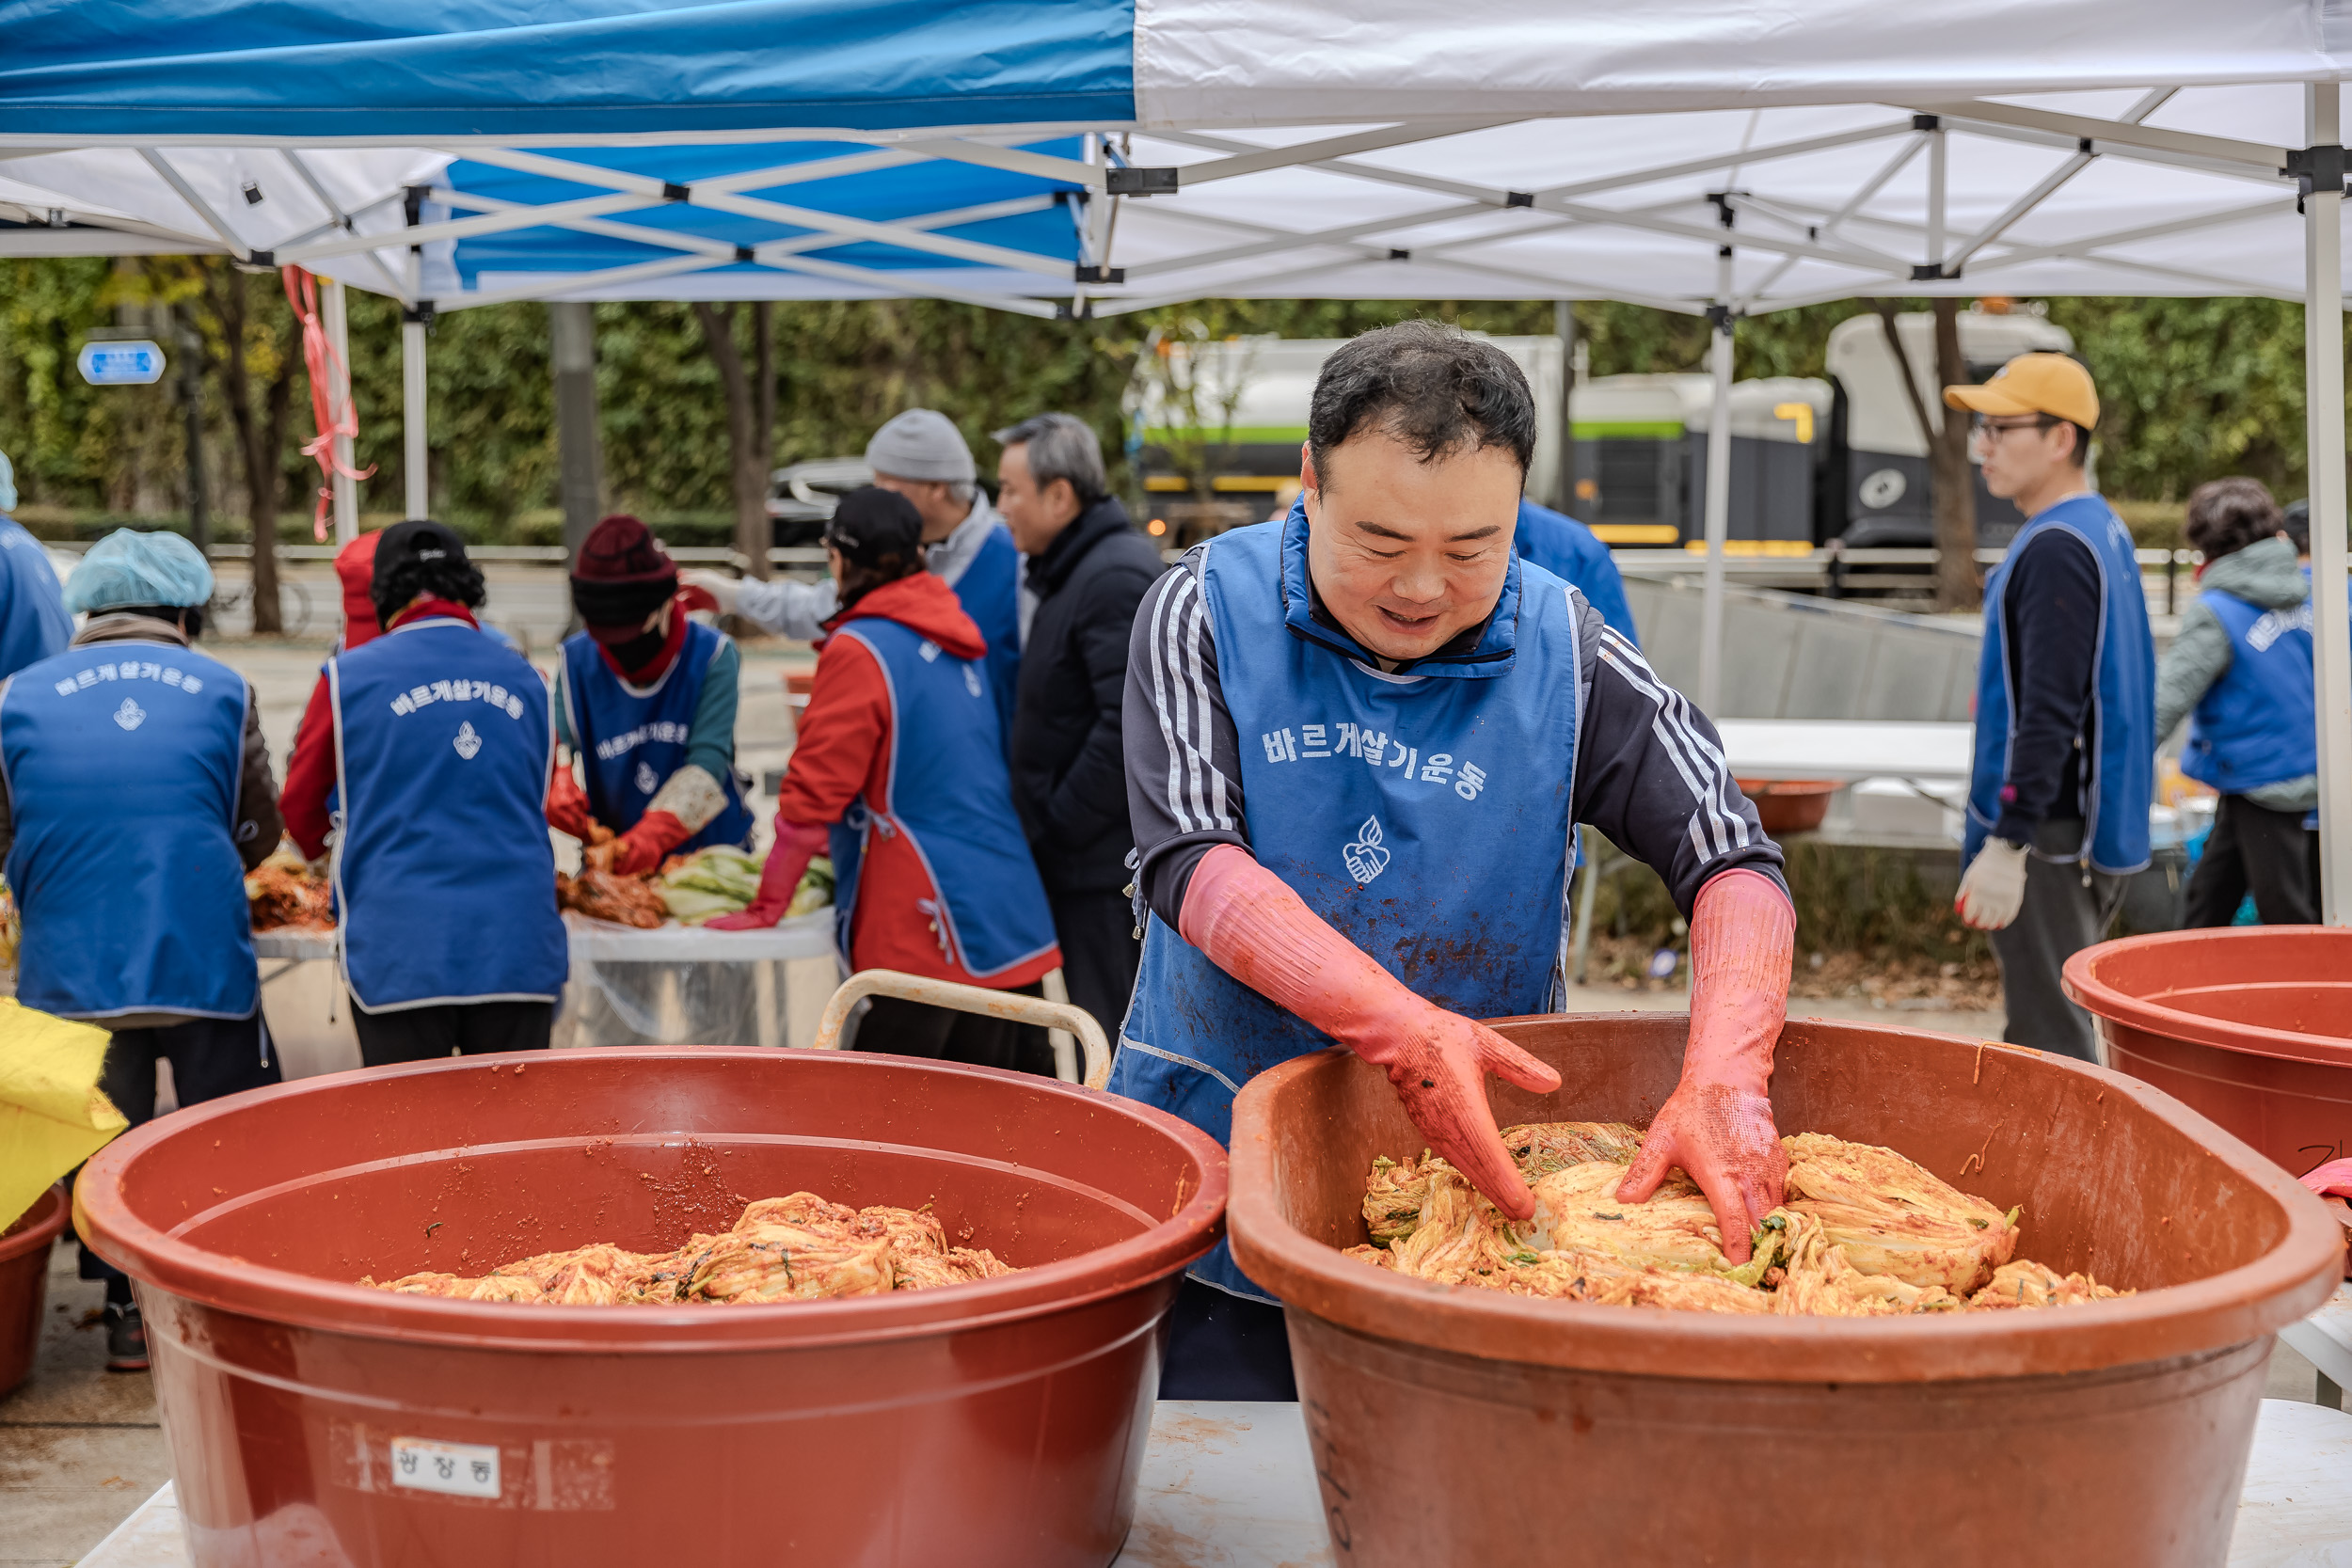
[995,1424]
[2251,1024]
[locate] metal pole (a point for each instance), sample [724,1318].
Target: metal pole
[2331,622]
[579,454]
[418,501]
[1563,325]
[1718,492]
[192,406]
[339,338]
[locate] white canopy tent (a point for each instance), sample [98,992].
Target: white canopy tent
[1688,154]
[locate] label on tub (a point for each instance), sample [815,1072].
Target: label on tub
[458,1470]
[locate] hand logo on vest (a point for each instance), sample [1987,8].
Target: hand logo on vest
[130,715]
[971,680]
[467,743]
[647,780]
[1365,858]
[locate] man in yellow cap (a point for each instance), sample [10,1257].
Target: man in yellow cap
[2064,773]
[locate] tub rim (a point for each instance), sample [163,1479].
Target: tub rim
[42,1222]
[161,1260]
[2281,1287]
[2085,984]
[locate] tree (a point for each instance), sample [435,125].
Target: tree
[256,351]
[1956,584]
[751,397]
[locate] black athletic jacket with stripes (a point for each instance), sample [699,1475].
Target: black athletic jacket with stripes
[1649,769]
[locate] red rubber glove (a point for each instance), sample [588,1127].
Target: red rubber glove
[648,844]
[1718,1123]
[568,806]
[796,845]
[1255,929]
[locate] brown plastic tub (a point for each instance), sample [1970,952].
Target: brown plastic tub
[999,1423]
[25,1283]
[1466,1426]
[2252,1026]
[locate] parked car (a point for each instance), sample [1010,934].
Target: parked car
[801,498]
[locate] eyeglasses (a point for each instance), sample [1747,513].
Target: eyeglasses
[1990,430]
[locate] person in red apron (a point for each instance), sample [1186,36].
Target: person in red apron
[646,699]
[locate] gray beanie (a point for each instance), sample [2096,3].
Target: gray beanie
[921,443]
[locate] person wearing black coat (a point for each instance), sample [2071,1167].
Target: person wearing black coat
[1088,568]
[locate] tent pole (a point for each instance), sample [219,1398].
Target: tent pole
[339,338]
[1718,491]
[1564,327]
[418,502]
[2331,622]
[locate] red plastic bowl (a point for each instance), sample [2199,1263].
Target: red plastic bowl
[998,1423]
[2250,1025]
[25,1283]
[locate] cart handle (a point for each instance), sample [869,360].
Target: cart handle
[971,999]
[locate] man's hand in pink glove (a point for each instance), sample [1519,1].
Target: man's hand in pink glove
[787,860]
[644,846]
[1255,929]
[1718,1123]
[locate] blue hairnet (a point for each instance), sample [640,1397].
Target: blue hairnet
[129,567]
[7,483]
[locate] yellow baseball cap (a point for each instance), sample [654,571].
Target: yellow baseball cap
[2048,383]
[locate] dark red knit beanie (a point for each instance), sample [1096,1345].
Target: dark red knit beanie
[620,578]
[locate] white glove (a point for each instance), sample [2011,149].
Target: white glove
[726,590]
[1995,886]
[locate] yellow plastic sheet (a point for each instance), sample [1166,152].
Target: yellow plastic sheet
[51,1114]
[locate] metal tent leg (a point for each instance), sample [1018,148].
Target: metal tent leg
[2323,370]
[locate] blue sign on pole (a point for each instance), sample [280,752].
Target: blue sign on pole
[137,363]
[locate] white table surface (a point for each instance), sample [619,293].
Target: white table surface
[1232,1485]
[807,935]
[1844,749]
[2325,1338]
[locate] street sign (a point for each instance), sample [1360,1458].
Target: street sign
[133,363]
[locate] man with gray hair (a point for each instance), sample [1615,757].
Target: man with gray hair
[922,456]
[1089,569]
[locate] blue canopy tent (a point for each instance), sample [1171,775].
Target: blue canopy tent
[1682,153]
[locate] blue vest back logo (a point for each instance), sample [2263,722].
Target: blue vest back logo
[647,780]
[971,680]
[467,742]
[1366,858]
[130,715]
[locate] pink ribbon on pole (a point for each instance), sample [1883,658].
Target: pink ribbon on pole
[318,359]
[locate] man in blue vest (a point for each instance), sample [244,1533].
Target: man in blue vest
[134,793]
[2065,746]
[1574,554]
[1357,741]
[33,620]
[647,698]
[924,457]
[2240,668]
[444,872]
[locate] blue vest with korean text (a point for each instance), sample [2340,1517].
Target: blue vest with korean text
[123,761]
[950,796]
[2120,774]
[444,874]
[632,738]
[2258,723]
[1425,814]
[33,620]
[990,592]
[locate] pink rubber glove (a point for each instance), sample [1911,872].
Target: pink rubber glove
[644,846]
[787,862]
[1718,1123]
[1255,929]
[567,805]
